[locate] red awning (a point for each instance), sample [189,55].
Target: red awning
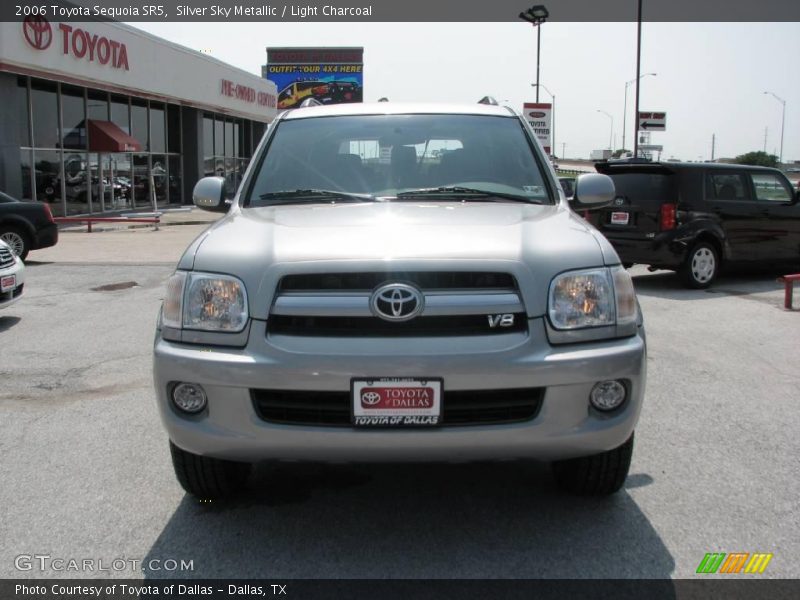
[105,136]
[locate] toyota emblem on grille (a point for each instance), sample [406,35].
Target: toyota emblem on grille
[38,32]
[396,302]
[370,398]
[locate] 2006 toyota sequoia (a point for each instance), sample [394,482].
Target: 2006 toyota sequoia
[400,283]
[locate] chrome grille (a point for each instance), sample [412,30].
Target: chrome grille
[6,258]
[338,305]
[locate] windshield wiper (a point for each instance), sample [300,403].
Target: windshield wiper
[293,196]
[465,193]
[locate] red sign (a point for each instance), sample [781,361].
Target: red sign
[76,41]
[397,397]
[246,93]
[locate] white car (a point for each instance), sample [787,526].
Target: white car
[12,276]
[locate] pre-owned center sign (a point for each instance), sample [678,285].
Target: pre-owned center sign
[539,117]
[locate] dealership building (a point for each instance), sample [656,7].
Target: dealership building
[98,117]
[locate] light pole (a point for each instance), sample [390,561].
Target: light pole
[552,112]
[783,120]
[536,15]
[610,133]
[625,105]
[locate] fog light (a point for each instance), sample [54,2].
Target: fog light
[607,395]
[189,397]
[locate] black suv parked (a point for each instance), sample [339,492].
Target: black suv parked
[695,217]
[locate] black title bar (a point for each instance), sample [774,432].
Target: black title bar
[400,11]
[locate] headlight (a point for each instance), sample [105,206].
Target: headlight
[205,301]
[582,299]
[592,298]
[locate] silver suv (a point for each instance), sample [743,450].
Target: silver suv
[400,283]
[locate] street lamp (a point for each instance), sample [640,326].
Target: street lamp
[552,112]
[783,120]
[625,105]
[536,15]
[610,133]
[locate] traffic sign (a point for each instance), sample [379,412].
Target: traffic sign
[651,147]
[652,121]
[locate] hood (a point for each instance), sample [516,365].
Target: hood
[259,245]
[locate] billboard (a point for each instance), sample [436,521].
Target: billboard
[539,117]
[329,75]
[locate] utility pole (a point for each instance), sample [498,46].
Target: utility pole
[765,139]
[713,143]
[563,150]
[638,76]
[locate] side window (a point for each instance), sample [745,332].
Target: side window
[727,186]
[770,187]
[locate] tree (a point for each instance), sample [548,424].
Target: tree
[759,159]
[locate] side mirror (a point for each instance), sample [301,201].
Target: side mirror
[209,194]
[593,190]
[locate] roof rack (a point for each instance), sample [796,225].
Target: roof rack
[488,100]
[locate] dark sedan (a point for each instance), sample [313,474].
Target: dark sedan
[26,226]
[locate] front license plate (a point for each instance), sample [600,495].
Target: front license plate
[619,218]
[396,402]
[9,282]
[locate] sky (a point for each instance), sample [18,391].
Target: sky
[710,77]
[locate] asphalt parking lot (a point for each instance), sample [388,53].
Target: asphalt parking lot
[86,473]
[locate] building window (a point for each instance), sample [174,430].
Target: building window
[219,136]
[97,106]
[73,118]
[25,164]
[47,168]
[158,131]
[44,102]
[120,113]
[23,121]
[139,123]
[173,128]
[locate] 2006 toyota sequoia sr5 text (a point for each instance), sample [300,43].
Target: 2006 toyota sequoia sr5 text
[400,282]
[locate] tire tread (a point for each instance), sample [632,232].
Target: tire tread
[597,475]
[207,477]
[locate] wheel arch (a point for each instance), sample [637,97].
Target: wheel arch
[18,221]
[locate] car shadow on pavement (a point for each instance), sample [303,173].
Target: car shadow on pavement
[37,263]
[666,284]
[470,520]
[7,323]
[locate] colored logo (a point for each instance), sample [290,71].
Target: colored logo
[37,32]
[537,114]
[736,562]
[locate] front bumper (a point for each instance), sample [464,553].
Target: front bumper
[10,296]
[565,427]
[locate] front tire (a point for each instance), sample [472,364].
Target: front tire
[208,478]
[597,475]
[701,266]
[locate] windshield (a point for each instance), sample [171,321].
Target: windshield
[381,156]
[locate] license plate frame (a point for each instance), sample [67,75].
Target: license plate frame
[8,283]
[415,402]
[620,218]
